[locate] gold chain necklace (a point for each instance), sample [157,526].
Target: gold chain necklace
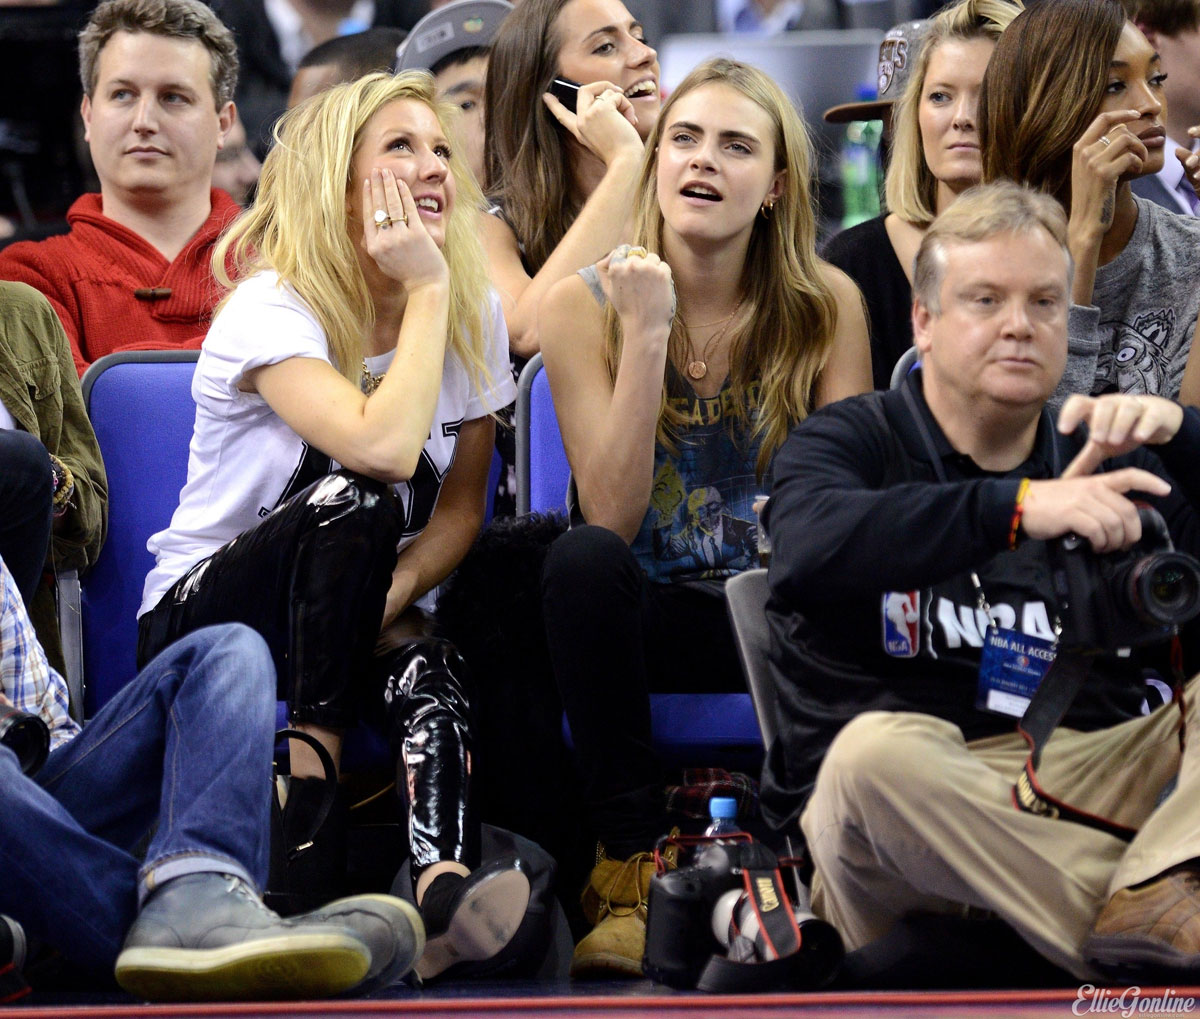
[698,366]
[369,382]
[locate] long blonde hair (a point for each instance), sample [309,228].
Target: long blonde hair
[910,188]
[792,309]
[297,225]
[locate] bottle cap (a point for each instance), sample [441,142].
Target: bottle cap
[722,807]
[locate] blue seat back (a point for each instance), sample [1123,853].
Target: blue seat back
[140,404]
[542,468]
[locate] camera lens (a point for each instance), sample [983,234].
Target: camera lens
[26,736]
[1164,588]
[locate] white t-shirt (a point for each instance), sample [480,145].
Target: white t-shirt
[244,460]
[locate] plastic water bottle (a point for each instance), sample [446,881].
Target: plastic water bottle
[722,811]
[859,164]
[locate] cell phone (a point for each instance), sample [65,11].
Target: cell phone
[565,91]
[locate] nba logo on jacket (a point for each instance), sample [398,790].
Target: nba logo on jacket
[901,611]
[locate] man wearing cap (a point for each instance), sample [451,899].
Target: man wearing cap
[861,252]
[897,54]
[453,42]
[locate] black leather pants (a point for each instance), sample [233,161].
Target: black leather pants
[429,727]
[312,578]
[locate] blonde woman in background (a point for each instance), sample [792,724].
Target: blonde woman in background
[935,156]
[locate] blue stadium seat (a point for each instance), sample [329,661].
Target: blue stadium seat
[140,404]
[687,727]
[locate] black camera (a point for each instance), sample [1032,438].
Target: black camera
[26,736]
[1125,599]
[725,923]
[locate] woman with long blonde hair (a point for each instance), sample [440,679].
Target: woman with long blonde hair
[934,157]
[338,470]
[678,366]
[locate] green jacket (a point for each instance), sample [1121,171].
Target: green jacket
[40,389]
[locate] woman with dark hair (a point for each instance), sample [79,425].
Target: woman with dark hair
[1072,105]
[678,366]
[338,469]
[934,158]
[562,179]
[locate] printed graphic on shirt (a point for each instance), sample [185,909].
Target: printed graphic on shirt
[700,522]
[1143,356]
[312,467]
[901,612]
[419,494]
[966,625]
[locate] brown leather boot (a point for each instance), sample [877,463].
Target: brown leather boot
[614,901]
[1150,931]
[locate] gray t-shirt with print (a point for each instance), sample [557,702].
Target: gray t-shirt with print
[1136,336]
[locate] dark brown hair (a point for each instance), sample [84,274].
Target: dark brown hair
[1043,87]
[527,171]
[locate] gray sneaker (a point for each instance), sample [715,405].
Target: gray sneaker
[391,927]
[206,937]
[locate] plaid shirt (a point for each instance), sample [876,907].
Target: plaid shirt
[26,678]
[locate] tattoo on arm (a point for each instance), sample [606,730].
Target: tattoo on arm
[1106,213]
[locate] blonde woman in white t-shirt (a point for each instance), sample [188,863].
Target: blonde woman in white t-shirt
[338,472]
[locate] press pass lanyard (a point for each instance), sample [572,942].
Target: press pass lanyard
[1009,680]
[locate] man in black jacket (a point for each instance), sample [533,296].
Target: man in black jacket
[913,598]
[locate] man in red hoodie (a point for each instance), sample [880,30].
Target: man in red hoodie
[134,270]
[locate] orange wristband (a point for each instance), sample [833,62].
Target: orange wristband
[1018,509]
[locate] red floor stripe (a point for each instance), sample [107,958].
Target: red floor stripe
[600,1003]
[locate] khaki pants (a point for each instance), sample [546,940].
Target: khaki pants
[907,816]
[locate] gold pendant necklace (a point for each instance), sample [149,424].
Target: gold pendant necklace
[698,366]
[369,383]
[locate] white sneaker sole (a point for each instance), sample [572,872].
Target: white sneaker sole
[288,966]
[482,925]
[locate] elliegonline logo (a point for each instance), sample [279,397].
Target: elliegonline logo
[1130,1001]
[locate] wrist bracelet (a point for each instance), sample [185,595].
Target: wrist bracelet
[1018,509]
[63,485]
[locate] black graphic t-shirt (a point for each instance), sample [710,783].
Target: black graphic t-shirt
[700,523]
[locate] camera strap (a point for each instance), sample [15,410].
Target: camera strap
[1053,695]
[769,901]
[1042,717]
[788,954]
[1046,710]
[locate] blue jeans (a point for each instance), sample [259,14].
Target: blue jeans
[187,744]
